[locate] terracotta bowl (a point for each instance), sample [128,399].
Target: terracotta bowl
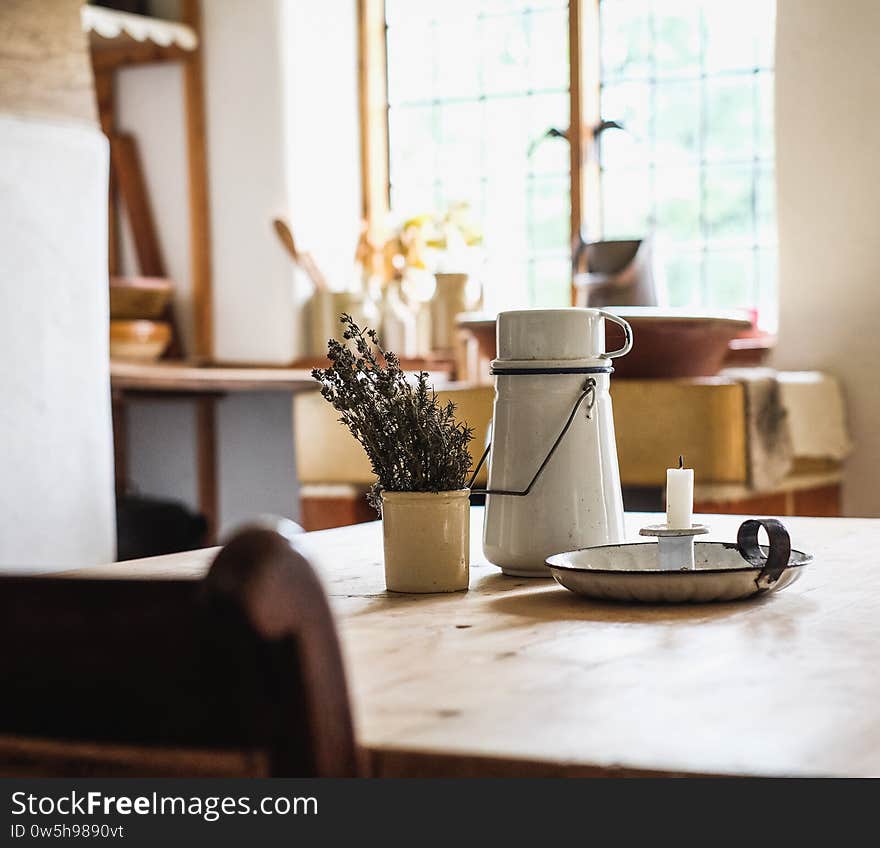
[139,341]
[674,342]
[667,342]
[139,297]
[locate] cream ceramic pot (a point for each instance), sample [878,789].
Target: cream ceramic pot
[426,539]
[554,483]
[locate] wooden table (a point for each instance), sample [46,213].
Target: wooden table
[518,677]
[204,386]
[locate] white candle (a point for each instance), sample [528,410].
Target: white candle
[679,496]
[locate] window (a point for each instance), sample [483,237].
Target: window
[474,85]
[692,83]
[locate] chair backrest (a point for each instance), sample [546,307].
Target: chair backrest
[238,673]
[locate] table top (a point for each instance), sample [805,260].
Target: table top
[186,377]
[518,676]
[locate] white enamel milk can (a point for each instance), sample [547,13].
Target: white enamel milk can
[554,483]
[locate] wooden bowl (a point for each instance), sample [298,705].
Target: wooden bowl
[672,343]
[139,297]
[139,341]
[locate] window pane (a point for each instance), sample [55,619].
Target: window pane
[460,149]
[411,62]
[765,117]
[626,203]
[550,281]
[547,155]
[473,88]
[677,37]
[733,32]
[678,204]
[627,46]
[728,212]
[768,302]
[629,103]
[692,80]
[730,276]
[766,204]
[461,39]
[548,213]
[548,50]
[683,272]
[730,118]
[507,209]
[412,128]
[677,127]
[765,32]
[505,49]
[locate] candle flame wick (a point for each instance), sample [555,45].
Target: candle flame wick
[680,461]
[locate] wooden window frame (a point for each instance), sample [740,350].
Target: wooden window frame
[583,38]
[373,98]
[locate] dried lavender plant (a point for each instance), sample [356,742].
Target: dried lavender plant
[412,440]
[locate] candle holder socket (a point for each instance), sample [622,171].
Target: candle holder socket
[675,544]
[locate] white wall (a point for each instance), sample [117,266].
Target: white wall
[150,107]
[56,461]
[253,282]
[281,90]
[256,469]
[322,131]
[828,171]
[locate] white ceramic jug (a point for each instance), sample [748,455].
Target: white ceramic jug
[554,483]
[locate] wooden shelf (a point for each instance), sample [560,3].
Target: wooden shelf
[185,378]
[119,38]
[439,367]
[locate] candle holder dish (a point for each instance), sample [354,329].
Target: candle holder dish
[676,569]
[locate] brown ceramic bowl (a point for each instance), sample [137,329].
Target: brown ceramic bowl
[666,342]
[139,297]
[139,341]
[673,342]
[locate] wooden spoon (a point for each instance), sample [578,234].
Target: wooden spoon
[302,259]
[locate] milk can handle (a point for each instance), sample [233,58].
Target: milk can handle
[628,333]
[588,391]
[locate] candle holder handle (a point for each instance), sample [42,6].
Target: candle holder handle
[778,553]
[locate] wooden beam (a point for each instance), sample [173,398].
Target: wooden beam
[373,95]
[199,209]
[128,177]
[105,95]
[583,42]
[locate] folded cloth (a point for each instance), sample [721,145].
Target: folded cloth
[769,447]
[817,417]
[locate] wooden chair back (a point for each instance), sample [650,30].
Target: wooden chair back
[236,674]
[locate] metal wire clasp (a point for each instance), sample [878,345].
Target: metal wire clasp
[589,391]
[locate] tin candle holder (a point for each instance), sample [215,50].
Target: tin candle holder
[677,569]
